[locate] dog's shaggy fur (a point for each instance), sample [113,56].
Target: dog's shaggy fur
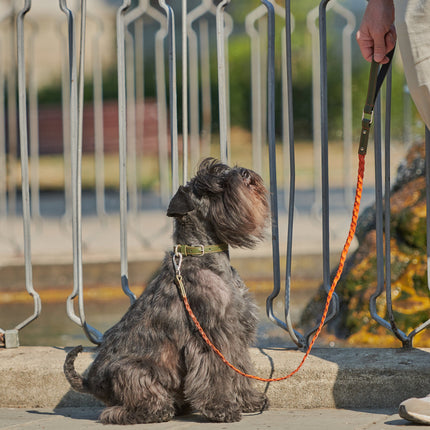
[153,364]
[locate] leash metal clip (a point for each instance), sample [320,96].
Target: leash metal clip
[177,260]
[365,117]
[366,122]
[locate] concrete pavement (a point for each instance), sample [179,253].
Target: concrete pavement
[336,388]
[297,419]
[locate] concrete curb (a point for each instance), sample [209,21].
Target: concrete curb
[32,377]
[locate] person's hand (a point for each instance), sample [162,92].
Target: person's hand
[377,34]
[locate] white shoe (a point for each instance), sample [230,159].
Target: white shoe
[416,410]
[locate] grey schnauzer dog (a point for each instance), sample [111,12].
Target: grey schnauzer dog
[154,364]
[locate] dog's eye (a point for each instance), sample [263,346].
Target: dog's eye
[197,193]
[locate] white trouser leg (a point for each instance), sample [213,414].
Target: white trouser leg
[413,30]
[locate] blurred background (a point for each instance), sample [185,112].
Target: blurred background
[149,163]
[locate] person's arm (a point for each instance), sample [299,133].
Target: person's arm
[377,34]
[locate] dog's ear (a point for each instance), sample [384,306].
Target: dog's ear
[180,204]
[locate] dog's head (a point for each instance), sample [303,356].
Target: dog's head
[232,202]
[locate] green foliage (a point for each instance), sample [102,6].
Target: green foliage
[240,76]
[421,283]
[302,73]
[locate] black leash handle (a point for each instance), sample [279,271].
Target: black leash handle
[376,79]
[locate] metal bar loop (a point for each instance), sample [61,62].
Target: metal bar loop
[161,103]
[34,125]
[66,122]
[348,29]
[98,119]
[379,218]
[73,112]
[387,210]
[12,116]
[383,208]
[122,128]
[172,95]
[298,339]
[196,15]
[222,85]
[134,93]
[325,196]
[184,94]
[142,9]
[426,324]
[408,342]
[13,341]
[3,171]
[287,325]
[257,117]
[131,121]
[273,180]
[76,127]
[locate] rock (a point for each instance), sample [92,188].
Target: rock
[409,285]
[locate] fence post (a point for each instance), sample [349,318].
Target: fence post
[257,131]
[76,123]
[3,171]
[173,95]
[11,336]
[272,163]
[184,94]
[288,132]
[334,306]
[122,128]
[98,120]
[193,16]
[12,110]
[222,78]
[161,104]
[66,125]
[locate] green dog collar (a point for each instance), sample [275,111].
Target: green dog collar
[199,250]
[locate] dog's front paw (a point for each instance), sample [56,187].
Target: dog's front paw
[256,402]
[124,416]
[115,415]
[223,413]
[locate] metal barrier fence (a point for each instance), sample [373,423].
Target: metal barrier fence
[196,120]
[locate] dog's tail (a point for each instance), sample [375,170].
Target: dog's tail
[75,380]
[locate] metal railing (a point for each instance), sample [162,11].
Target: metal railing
[131,94]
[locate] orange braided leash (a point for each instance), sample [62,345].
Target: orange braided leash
[345,250]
